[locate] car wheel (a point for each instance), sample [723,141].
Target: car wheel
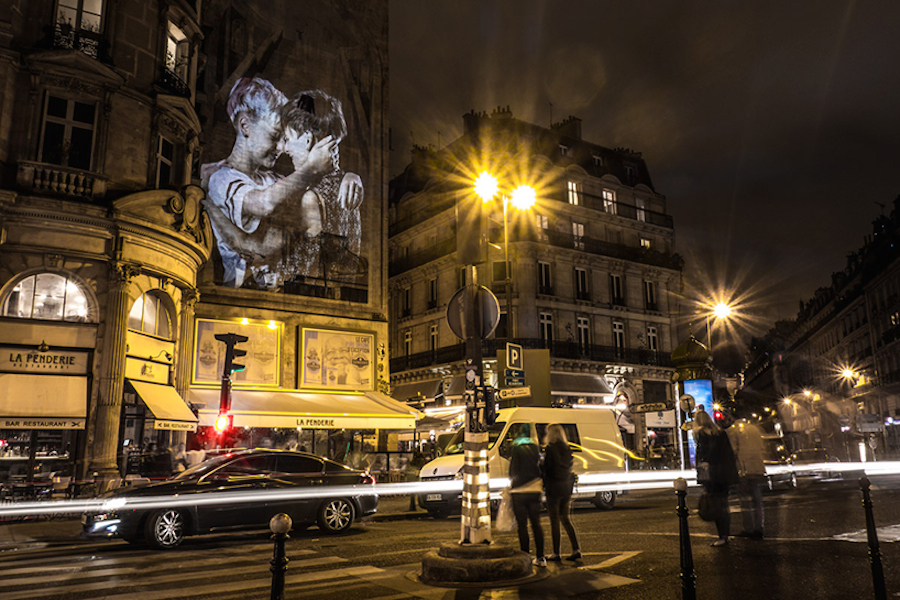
[792,483]
[605,500]
[335,516]
[165,529]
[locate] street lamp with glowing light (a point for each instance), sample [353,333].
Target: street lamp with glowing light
[524,197]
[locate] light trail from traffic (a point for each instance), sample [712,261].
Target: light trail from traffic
[587,484]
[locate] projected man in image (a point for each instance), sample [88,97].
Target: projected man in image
[242,188]
[313,232]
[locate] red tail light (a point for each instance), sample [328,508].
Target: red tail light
[367,479]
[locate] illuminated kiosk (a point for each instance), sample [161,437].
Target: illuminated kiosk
[693,377]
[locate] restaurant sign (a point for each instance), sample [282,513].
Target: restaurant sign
[56,362]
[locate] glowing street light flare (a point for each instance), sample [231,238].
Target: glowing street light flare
[523,197]
[486,186]
[722,310]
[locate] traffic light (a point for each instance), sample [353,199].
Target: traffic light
[230,340]
[223,423]
[719,416]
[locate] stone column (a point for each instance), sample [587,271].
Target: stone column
[189,298]
[108,414]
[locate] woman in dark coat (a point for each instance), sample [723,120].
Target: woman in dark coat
[714,449]
[525,487]
[558,483]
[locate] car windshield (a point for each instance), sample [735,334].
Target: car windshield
[201,469]
[455,445]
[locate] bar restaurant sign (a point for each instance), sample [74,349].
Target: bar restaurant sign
[51,362]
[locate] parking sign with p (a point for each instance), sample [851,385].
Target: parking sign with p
[514,356]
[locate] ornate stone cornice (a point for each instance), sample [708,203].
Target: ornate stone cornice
[122,274]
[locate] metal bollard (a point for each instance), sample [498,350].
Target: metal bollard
[874,548]
[688,577]
[280,524]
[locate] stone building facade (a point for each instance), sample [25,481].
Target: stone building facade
[108,259]
[592,270]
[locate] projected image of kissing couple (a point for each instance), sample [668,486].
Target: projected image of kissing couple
[275,230]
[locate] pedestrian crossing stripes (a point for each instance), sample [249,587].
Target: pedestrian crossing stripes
[81,571]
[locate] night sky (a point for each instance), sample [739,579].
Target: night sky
[771,127]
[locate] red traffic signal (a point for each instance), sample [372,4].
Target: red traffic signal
[718,416]
[223,423]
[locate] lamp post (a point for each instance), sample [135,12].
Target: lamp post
[522,198]
[720,311]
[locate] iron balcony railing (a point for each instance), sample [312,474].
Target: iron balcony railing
[571,350]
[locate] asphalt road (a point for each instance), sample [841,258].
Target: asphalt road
[815,547]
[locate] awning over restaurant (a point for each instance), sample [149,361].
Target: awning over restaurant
[416,390]
[576,384]
[168,408]
[42,401]
[312,410]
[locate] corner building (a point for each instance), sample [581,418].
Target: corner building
[110,273]
[590,278]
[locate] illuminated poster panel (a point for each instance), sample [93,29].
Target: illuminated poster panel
[337,360]
[701,390]
[292,162]
[262,346]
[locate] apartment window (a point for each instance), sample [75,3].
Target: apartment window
[461,277]
[641,204]
[501,332]
[165,163]
[609,201]
[406,302]
[178,52]
[645,244]
[616,291]
[48,296]
[563,150]
[545,283]
[546,325]
[650,295]
[68,137]
[598,160]
[584,332]
[619,335]
[581,284]
[433,338]
[652,339]
[149,315]
[574,189]
[543,225]
[499,270]
[578,235]
[407,342]
[432,293]
[78,25]
[630,174]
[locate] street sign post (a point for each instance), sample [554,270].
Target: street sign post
[515,382]
[649,407]
[515,357]
[516,392]
[515,373]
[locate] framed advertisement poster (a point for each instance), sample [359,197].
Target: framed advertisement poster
[263,359]
[337,360]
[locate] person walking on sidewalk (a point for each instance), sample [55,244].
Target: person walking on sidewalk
[747,441]
[714,449]
[558,482]
[526,486]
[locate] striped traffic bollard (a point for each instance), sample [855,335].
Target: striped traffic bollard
[688,577]
[872,536]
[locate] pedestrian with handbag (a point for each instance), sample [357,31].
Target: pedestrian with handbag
[558,483]
[525,488]
[716,471]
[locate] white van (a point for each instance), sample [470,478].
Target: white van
[592,433]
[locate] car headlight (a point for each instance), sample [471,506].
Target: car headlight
[459,474]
